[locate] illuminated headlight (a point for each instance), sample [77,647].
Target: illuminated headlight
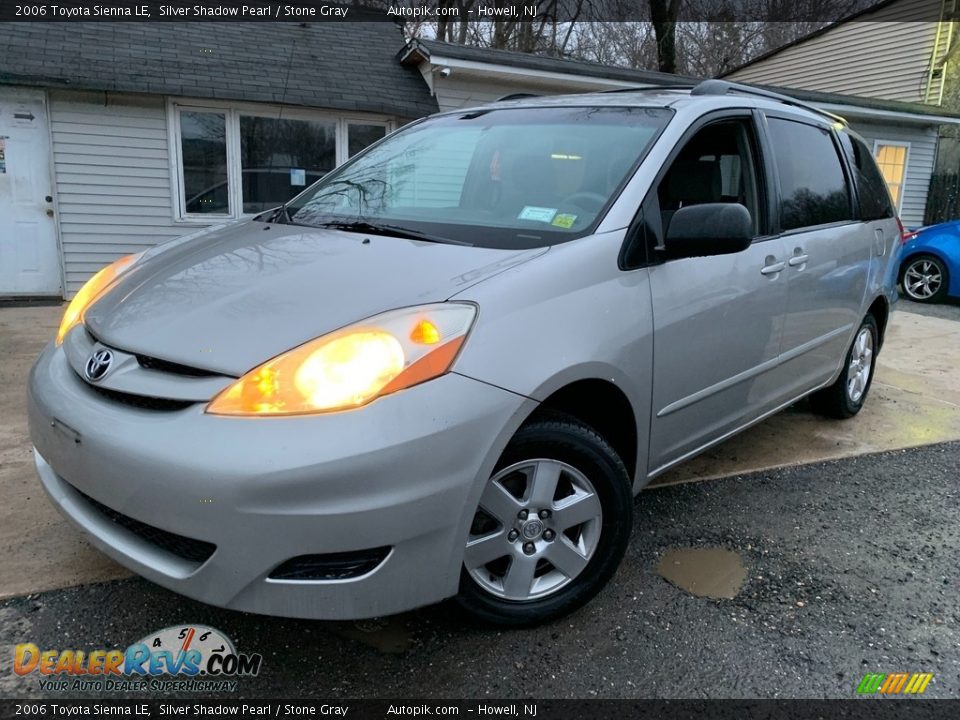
[353,366]
[92,289]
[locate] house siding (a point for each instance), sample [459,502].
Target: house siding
[920,162]
[112,175]
[876,58]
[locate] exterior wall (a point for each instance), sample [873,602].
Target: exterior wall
[920,162]
[115,174]
[887,60]
[112,176]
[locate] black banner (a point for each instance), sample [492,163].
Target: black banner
[872,709]
[465,10]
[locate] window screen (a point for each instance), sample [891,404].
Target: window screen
[813,188]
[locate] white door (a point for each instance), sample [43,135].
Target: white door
[29,257]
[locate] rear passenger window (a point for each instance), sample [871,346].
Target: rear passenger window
[872,188]
[813,188]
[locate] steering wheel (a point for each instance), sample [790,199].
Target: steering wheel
[587,200]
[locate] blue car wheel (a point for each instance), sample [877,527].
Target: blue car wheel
[924,279]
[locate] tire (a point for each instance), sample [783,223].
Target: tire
[925,279]
[846,396]
[501,583]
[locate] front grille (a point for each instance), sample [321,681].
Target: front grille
[142,401]
[152,363]
[331,566]
[186,548]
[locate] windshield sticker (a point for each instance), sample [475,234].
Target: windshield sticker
[564,220]
[537,214]
[298,177]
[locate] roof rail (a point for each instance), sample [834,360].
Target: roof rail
[725,87]
[649,88]
[516,96]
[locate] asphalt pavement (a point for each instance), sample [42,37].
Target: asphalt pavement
[852,567]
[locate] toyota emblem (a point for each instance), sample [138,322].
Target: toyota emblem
[98,364]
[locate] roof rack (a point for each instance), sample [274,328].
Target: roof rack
[649,88]
[725,87]
[517,96]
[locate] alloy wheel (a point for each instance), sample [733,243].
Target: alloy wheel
[537,527]
[861,365]
[922,279]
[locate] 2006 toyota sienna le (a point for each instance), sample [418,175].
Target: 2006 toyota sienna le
[446,368]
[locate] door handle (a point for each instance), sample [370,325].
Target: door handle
[798,260]
[772,269]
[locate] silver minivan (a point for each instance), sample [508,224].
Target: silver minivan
[447,368]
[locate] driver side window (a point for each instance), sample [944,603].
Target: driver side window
[717,165]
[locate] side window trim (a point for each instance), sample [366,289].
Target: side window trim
[852,192]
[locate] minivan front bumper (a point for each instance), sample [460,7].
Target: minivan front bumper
[211,506]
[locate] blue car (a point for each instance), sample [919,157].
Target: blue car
[930,265]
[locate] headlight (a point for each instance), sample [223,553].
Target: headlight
[353,366]
[91,290]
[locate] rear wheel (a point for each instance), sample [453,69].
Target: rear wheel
[846,396]
[551,527]
[924,279]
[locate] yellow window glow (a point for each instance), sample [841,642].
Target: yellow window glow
[892,160]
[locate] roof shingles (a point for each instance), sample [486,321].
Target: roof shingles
[337,65]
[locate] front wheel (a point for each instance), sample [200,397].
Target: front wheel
[551,527]
[846,396]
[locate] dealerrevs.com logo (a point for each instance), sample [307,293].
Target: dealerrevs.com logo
[185,658]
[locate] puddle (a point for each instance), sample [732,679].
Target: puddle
[705,572]
[388,635]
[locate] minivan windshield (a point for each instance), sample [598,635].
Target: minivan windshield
[507,178]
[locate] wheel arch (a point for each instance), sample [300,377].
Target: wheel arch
[918,252]
[880,309]
[605,407]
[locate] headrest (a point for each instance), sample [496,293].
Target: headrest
[694,181]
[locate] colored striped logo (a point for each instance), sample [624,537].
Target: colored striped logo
[894,683]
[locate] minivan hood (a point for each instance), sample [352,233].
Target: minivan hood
[241,295]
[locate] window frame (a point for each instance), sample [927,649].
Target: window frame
[232,112]
[645,233]
[898,205]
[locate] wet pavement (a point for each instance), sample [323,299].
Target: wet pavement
[851,567]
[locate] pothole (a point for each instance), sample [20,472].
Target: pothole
[705,572]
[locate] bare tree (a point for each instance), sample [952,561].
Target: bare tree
[663,16]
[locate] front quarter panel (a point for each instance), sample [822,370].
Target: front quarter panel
[569,315]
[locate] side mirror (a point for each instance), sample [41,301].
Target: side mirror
[709,229]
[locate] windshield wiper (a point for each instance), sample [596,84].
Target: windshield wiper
[282,216]
[372,228]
